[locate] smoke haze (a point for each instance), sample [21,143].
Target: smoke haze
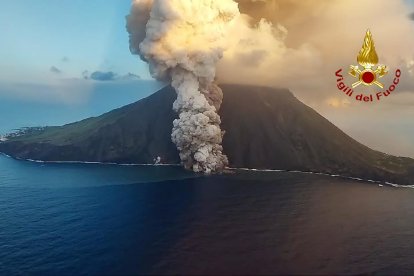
[182,42]
[306,41]
[299,44]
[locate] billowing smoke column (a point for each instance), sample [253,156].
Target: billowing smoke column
[182,41]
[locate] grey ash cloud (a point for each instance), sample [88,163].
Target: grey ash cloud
[131,76]
[108,76]
[85,74]
[103,76]
[55,70]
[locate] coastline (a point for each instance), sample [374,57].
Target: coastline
[331,175]
[84,162]
[229,168]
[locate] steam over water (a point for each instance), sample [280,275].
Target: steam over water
[94,219]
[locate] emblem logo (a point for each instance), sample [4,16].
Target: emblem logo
[368,74]
[368,59]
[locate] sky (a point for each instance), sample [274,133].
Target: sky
[65,52]
[70,35]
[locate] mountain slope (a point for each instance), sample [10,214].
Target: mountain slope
[265,128]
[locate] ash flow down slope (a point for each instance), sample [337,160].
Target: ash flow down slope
[265,128]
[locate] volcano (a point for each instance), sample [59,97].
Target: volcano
[265,128]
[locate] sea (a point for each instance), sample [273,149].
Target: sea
[109,219]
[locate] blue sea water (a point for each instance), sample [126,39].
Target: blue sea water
[105,219]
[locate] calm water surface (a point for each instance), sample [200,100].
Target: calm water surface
[101,219]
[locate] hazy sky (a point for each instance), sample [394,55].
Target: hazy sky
[71,35]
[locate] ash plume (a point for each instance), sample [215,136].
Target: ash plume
[182,41]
